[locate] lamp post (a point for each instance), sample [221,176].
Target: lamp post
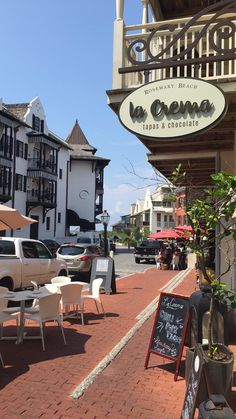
[105,217]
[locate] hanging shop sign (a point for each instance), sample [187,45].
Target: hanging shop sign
[173,108]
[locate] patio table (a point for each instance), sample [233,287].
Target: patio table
[22,297]
[85,285]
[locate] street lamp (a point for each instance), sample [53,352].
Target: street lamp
[105,217]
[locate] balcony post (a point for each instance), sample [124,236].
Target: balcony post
[144,22]
[118,45]
[119,9]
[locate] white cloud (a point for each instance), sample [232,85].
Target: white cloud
[117,200]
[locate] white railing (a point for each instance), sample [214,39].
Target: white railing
[209,70]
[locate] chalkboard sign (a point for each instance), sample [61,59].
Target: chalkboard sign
[103,267]
[169,328]
[194,380]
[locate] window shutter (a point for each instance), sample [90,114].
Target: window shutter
[26,152]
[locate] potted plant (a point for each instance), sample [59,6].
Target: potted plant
[214,226]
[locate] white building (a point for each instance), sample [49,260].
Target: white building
[155,211]
[56,182]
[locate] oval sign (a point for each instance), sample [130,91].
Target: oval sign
[173,108]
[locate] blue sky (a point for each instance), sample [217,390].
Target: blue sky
[61,51]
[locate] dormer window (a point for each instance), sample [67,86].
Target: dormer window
[37,124]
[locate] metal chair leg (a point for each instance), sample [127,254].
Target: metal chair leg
[96,306]
[2,360]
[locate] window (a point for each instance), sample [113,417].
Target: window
[48,223]
[157,203]
[60,173]
[19,182]
[7,247]
[19,149]
[71,250]
[43,252]
[159,218]
[35,123]
[5,180]
[25,183]
[26,152]
[59,217]
[29,250]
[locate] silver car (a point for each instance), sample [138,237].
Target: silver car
[78,257]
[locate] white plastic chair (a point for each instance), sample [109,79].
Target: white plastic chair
[71,295]
[95,295]
[61,280]
[4,302]
[50,288]
[49,309]
[4,317]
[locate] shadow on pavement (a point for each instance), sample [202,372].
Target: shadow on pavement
[19,358]
[170,367]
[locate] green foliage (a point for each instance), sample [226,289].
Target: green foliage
[211,218]
[223,294]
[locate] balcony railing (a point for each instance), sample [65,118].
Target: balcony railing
[47,166]
[44,198]
[203,46]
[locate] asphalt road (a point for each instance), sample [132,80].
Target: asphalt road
[125,264]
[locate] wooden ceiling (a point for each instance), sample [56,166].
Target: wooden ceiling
[170,9]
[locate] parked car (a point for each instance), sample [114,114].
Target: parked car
[24,260]
[52,245]
[79,257]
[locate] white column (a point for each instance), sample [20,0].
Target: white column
[145,13]
[118,54]
[144,22]
[119,9]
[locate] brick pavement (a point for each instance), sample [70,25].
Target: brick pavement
[38,384]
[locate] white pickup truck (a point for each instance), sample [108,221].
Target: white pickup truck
[25,260]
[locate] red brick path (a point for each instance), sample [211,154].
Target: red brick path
[38,384]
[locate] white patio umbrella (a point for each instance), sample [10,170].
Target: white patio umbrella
[11,218]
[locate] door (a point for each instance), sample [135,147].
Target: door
[34,228]
[31,268]
[48,265]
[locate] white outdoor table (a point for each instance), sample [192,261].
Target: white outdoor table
[22,297]
[84,288]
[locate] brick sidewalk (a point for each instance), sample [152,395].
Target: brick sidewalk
[38,384]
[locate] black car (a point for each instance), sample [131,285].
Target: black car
[52,245]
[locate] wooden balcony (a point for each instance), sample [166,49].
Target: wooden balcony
[34,197]
[46,166]
[201,46]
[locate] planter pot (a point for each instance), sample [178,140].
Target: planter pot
[218,374]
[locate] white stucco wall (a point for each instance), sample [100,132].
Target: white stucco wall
[63,159]
[35,107]
[82,178]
